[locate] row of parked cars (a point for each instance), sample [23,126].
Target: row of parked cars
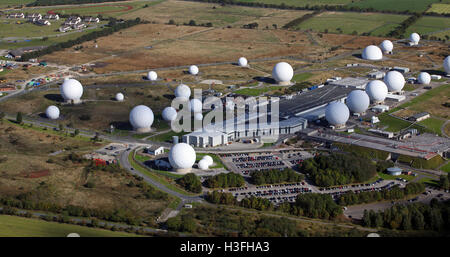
[275,192]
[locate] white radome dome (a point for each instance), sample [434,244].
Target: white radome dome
[358,101]
[183,91]
[119,97]
[169,113]
[394,80]
[386,46]
[203,164]
[447,64]
[376,90]
[195,105]
[372,53]
[424,78]
[198,116]
[414,37]
[182,156]
[282,72]
[152,76]
[208,159]
[193,70]
[141,117]
[337,113]
[52,112]
[243,62]
[71,89]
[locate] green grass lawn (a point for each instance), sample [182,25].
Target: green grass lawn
[6,3]
[377,24]
[446,167]
[300,3]
[390,177]
[429,181]
[428,24]
[256,91]
[439,8]
[167,137]
[12,226]
[302,77]
[433,124]
[397,5]
[394,124]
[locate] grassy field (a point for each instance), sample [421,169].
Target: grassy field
[439,8]
[6,3]
[376,24]
[394,124]
[302,76]
[433,124]
[11,226]
[256,91]
[399,5]
[390,177]
[426,25]
[446,167]
[301,3]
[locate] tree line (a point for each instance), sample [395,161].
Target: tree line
[113,26]
[395,193]
[338,169]
[275,176]
[224,180]
[190,182]
[298,21]
[67,2]
[253,202]
[416,216]
[400,30]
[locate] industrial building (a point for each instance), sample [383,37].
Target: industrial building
[419,117]
[351,82]
[154,150]
[394,171]
[377,75]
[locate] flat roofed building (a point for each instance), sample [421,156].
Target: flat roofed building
[154,150]
[351,82]
[377,75]
[380,108]
[401,69]
[396,98]
[419,116]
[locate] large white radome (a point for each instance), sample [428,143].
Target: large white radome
[337,113]
[52,112]
[372,53]
[198,116]
[71,89]
[242,62]
[358,101]
[208,159]
[182,156]
[447,64]
[195,105]
[203,164]
[414,37]
[386,46]
[424,78]
[141,117]
[376,90]
[169,113]
[394,80]
[282,72]
[119,97]
[152,76]
[183,91]
[193,70]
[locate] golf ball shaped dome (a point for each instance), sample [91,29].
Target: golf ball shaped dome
[141,117]
[394,80]
[243,62]
[386,46]
[203,164]
[152,76]
[376,90]
[337,113]
[169,113]
[119,97]
[52,112]
[372,53]
[209,159]
[447,64]
[193,70]
[71,89]
[183,91]
[195,105]
[182,156]
[282,72]
[424,78]
[358,101]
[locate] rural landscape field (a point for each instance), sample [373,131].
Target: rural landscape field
[299,118]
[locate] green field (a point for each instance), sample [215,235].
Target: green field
[300,3]
[6,3]
[433,124]
[377,24]
[11,226]
[302,76]
[397,5]
[439,8]
[256,91]
[446,167]
[429,24]
[394,125]
[390,177]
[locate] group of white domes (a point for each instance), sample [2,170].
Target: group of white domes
[375,53]
[182,157]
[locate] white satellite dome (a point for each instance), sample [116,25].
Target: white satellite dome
[182,156]
[183,91]
[193,70]
[52,112]
[282,72]
[337,113]
[208,159]
[386,46]
[372,53]
[195,105]
[198,116]
[394,80]
[152,76]
[119,97]
[424,78]
[141,118]
[169,113]
[414,37]
[358,101]
[243,62]
[203,164]
[71,90]
[376,90]
[447,64]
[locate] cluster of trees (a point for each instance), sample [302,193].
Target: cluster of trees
[182,223]
[64,2]
[298,21]
[444,182]
[253,25]
[275,176]
[313,205]
[224,180]
[193,23]
[394,193]
[190,182]
[400,30]
[417,216]
[113,26]
[338,169]
[257,203]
